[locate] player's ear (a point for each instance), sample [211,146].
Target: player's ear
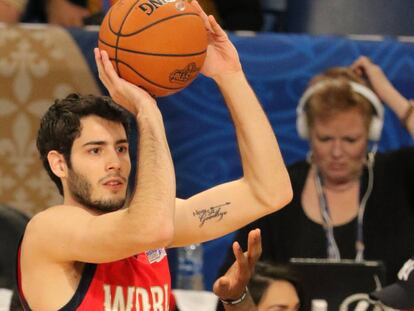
[57,163]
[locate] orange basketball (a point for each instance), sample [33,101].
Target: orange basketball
[159,45]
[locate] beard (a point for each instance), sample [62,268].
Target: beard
[81,189]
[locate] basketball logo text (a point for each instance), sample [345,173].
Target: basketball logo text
[184,75]
[150,6]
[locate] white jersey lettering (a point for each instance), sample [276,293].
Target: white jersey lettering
[157,298]
[119,301]
[142,302]
[166,298]
[136,298]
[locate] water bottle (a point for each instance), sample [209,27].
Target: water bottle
[319,305]
[190,267]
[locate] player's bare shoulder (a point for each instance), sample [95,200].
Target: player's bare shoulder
[52,228]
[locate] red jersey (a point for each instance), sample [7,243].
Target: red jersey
[138,283]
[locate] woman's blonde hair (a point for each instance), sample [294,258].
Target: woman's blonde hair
[335,95]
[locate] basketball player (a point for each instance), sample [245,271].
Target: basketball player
[99,251]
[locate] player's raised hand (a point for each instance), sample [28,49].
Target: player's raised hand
[222,56]
[124,93]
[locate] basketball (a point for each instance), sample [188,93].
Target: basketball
[159,45]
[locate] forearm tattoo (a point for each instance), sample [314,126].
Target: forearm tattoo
[213,212]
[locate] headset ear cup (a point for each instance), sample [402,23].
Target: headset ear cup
[302,125]
[375,128]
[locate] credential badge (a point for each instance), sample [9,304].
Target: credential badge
[155,255]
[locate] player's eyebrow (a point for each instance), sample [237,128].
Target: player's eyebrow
[102,142]
[95,142]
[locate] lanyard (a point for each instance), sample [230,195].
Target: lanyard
[331,245]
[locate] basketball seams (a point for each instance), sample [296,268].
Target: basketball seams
[155,23]
[146,51]
[152,54]
[148,80]
[118,37]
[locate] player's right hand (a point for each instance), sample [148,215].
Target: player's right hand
[124,93]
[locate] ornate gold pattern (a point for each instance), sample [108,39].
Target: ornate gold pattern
[37,65]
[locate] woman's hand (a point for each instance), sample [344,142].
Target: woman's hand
[376,77]
[386,91]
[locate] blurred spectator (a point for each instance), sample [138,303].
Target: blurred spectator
[345,189]
[77,13]
[11,10]
[240,14]
[210,7]
[12,224]
[234,15]
[250,285]
[273,286]
[67,13]
[274,15]
[35,12]
[277,286]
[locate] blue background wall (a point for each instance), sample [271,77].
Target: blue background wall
[202,137]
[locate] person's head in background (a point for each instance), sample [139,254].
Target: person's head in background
[276,288]
[11,10]
[336,117]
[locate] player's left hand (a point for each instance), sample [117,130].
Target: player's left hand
[233,283]
[222,56]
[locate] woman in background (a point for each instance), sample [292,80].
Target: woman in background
[349,200]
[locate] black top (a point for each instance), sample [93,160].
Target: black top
[388,220]
[12,225]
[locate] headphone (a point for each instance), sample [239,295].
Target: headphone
[377,120]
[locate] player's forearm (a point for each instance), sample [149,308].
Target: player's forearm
[263,165]
[153,202]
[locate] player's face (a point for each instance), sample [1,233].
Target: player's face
[100,165]
[339,146]
[279,296]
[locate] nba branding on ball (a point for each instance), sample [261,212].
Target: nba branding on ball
[159,45]
[150,6]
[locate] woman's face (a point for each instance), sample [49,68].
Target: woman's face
[279,296]
[339,146]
